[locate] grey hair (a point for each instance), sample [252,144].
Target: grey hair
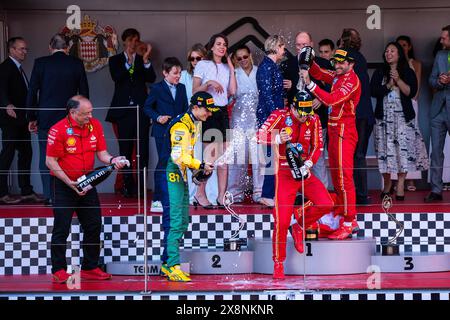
[272,43]
[58,42]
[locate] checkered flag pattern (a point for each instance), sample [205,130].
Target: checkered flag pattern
[25,243]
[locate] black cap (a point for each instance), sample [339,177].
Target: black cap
[303,103]
[205,100]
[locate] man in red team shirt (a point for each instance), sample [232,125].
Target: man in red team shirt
[342,134]
[72,145]
[299,125]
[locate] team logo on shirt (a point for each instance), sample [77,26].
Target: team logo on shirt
[308,134]
[71,141]
[288,121]
[288,130]
[69,131]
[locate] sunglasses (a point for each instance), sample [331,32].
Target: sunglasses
[241,58]
[195,59]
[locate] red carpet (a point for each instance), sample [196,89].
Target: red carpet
[116,205]
[229,283]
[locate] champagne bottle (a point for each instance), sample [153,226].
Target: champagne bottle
[88,181]
[294,159]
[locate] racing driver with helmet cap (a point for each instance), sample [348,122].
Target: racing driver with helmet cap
[295,127]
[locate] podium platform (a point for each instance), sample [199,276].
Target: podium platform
[413,262]
[322,257]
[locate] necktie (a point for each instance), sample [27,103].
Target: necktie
[24,76]
[173,91]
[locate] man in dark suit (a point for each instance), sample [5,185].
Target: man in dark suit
[54,80]
[130,72]
[167,100]
[351,41]
[439,80]
[15,134]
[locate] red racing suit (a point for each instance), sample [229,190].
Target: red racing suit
[309,135]
[342,134]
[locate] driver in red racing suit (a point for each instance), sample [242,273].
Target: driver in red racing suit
[342,134]
[299,125]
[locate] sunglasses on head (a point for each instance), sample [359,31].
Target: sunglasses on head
[241,58]
[195,58]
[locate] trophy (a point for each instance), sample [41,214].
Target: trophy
[234,243]
[391,248]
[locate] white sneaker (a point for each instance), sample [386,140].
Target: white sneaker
[156,206]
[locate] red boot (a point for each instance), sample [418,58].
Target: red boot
[341,233]
[297,234]
[355,226]
[278,270]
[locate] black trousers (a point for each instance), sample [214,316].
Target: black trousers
[127,136]
[16,138]
[65,202]
[360,165]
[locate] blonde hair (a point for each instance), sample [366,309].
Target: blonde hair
[198,47]
[273,43]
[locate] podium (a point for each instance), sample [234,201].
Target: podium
[322,257]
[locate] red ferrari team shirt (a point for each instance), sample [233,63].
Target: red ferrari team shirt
[75,147]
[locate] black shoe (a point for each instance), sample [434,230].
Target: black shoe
[399,198]
[129,193]
[7,199]
[363,200]
[220,205]
[32,197]
[383,194]
[48,202]
[432,197]
[206,207]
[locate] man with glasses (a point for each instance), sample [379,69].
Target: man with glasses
[14,125]
[342,134]
[301,127]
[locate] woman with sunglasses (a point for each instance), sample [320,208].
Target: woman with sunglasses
[195,54]
[215,74]
[243,123]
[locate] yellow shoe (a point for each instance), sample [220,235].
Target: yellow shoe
[177,275]
[165,271]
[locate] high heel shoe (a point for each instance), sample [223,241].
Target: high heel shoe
[399,198]
[383,194]
[206,207]
[219,205]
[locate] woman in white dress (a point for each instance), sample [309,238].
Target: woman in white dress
[244,126]
[215,74]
